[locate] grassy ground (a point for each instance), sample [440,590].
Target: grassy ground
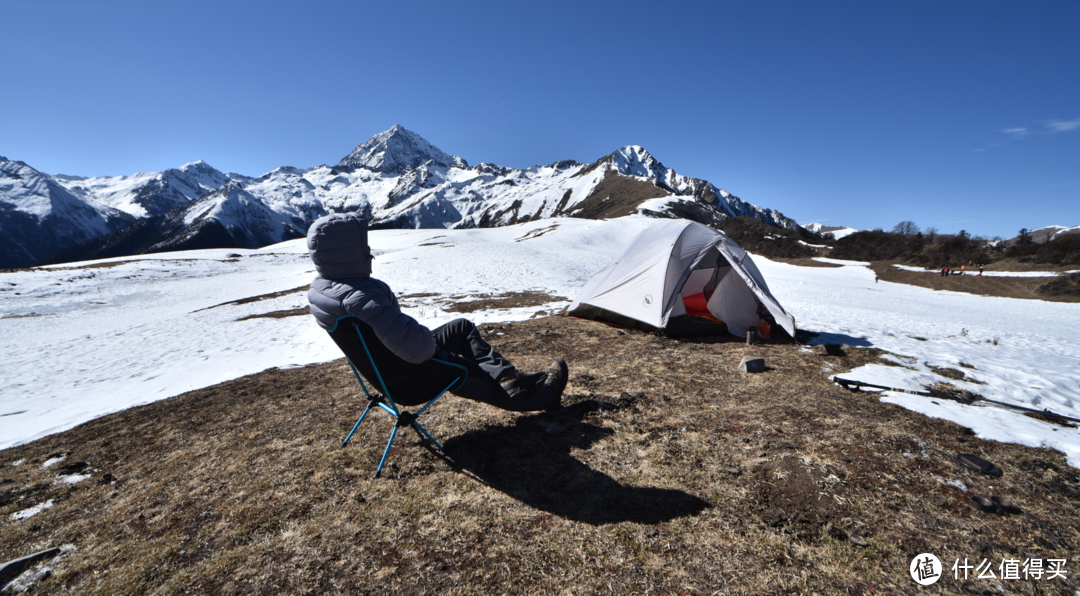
[669,472]
[1032,288]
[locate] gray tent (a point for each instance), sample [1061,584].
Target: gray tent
[683,278]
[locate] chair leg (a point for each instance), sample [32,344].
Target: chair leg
[401,418]
[356,426]
[382,461]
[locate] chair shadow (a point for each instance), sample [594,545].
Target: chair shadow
[530,461]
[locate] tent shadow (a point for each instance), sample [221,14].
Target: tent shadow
[531,461]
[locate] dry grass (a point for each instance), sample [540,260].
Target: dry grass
[1007,287]
[259,298]
[508,300]
[669,473]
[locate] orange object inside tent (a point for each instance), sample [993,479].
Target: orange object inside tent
[697,305]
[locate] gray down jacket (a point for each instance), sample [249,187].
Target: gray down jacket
[338,246]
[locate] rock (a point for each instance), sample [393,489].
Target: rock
[752,365]
[73,468]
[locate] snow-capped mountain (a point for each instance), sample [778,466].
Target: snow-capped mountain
[432,194]
[229,217]
[152,193]
[396,150]
[38,216]
[398,180]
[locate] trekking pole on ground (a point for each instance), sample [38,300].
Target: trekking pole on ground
[848,383]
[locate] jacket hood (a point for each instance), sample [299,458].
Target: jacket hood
[338,246]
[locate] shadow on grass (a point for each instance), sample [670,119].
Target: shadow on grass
[530,461]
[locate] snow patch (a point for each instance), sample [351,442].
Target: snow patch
[841,262]
[31,512]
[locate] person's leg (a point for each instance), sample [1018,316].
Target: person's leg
[483,389]
[461,337]
[460,342]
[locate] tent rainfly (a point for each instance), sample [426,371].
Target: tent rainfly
[682,278]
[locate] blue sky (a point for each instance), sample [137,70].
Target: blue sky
[957,115]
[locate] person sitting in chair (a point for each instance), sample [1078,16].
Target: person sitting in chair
[338,246]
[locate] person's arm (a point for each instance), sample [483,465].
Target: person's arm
[400,333]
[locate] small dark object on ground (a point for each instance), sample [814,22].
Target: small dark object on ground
[73,468]
[1005,506]
[752,365]
[983,504]
[978,464]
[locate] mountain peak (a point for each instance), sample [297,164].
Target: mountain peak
[396,150]
[199,166]
[634,160]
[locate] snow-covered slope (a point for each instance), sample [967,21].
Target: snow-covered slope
[229,217]
[400,180]
[1046,234]
[837,232]
[39,216]
[232,210]
[153,193]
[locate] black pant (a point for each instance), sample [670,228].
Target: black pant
[460,342]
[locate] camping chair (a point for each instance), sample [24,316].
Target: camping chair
[413,383]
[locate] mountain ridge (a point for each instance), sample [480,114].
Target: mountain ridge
[398,180]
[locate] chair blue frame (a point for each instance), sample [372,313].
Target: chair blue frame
[402,418]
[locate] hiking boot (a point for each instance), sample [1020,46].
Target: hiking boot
[557,375]
[523,385]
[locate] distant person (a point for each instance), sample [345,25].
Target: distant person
[338,246]
[944,271]
[980,270]
[963,269]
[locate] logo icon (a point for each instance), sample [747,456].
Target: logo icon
[925,569]
[648,299]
